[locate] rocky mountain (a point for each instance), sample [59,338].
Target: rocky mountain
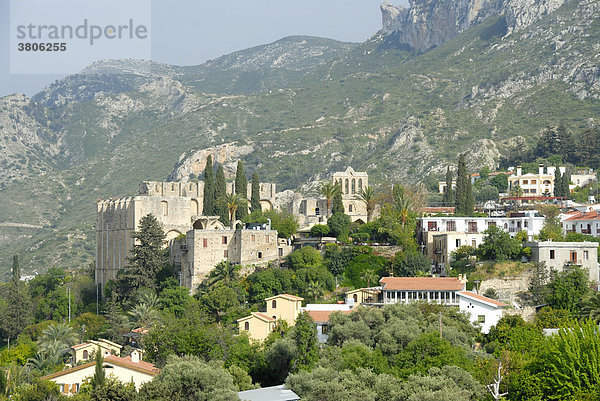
[294,111]
[429,23]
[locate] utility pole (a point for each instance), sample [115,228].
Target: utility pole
[440,324]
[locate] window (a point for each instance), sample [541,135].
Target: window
[253,238]
[481,318]
[458,243]
[451,226]
[360,185]
[247,326]
[274,304]
[85,354]
[533,191]
[472,227]
[432,225]
[474,244]
[225,254]
[491,224]
[205,242]
[525,224]
[353,185]
[224,240]
[552,254]
[260,255]
[586,255]
[324,329]
[350,208]
[165,208]
[347,191]
[573,257]
[533,182]
[267,238]
[317,211]
[525,182]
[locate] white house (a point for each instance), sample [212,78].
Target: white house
[442,290]
[483,311]
[558,254]
[586,222]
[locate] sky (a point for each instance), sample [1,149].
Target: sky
[189,32]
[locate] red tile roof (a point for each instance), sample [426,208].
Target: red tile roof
[422,283]
[593,215]
[141,366]
[323,315]
[263,316]
[472,295]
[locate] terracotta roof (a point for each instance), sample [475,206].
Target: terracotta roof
[323,315]
[141,330]
[593,215]
[286,296]
[481,298]
[259,315]
[82,345]
[422,283]
[141,366]
[439,209]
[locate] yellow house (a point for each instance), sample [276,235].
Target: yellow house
[362,296]
[127,370]
[284,306]
[86,351]
[257,325]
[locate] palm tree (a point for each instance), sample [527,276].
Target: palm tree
[143,315]
[403,206]
[148,297]
[224,272]
[314,289]
[368,276]
[48,358]
[232,202]
[591,307]
[368,196]
[57,333]
[329,190]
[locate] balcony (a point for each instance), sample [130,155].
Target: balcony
[586,231]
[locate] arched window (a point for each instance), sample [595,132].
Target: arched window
[341,184]
[355,297]
[194,207]
[165,208]
[247,326]
[317,211]
[353,185]
[85,354]
[347,191]
[274,304]
[350,208]
[360,185]
[172,187]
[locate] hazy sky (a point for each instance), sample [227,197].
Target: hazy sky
[189,32]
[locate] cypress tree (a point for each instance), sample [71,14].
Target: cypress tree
[241,188]
[448,195]
[566,179]
[462,181]
[208,208]
[16,270]
[255,199]
[220,191]
[558,183]
[470,205]
[99,378]
[337,205]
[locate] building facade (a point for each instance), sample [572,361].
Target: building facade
[582,222]
[259,325]
[483,311]
[441,290]
[558,254]
[539,184]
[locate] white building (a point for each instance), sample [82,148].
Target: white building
[587,222]
[558,254]
[535,184]
[439,236]
[483,311]
[442,290]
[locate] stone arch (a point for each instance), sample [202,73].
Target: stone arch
[194,207]
[266,204]
[359,221]
[171,235]
[164,207]
[198,225]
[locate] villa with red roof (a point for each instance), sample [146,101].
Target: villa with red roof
[259,325]
[127,370]
[587,223]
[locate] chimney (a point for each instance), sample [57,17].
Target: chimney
[563,170]
[551,171]
[519,171]
[135,356]
[541,169]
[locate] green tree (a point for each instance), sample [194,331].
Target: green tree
[15,311]
[235,203]
[448,198]
[304,335]
[143,315]
[500,181]
[148,258]
[558,183]
[463,190]
[337,205]
[411,264]
[369,198]
[487,193]
[498,246]
[319,230]
[208,208]
[255,199]
[220,191]
[43,390]
[537,291]
[59,333]
[241,188]
[306,256]
[219,302]
[339,225]
[329,190]
[111,390]
[189,378]
[369,276]
[224,272]
[99,378]
[552,229]
[591,307]
[16,270]
[568,289]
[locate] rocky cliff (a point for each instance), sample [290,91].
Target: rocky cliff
[429,23]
